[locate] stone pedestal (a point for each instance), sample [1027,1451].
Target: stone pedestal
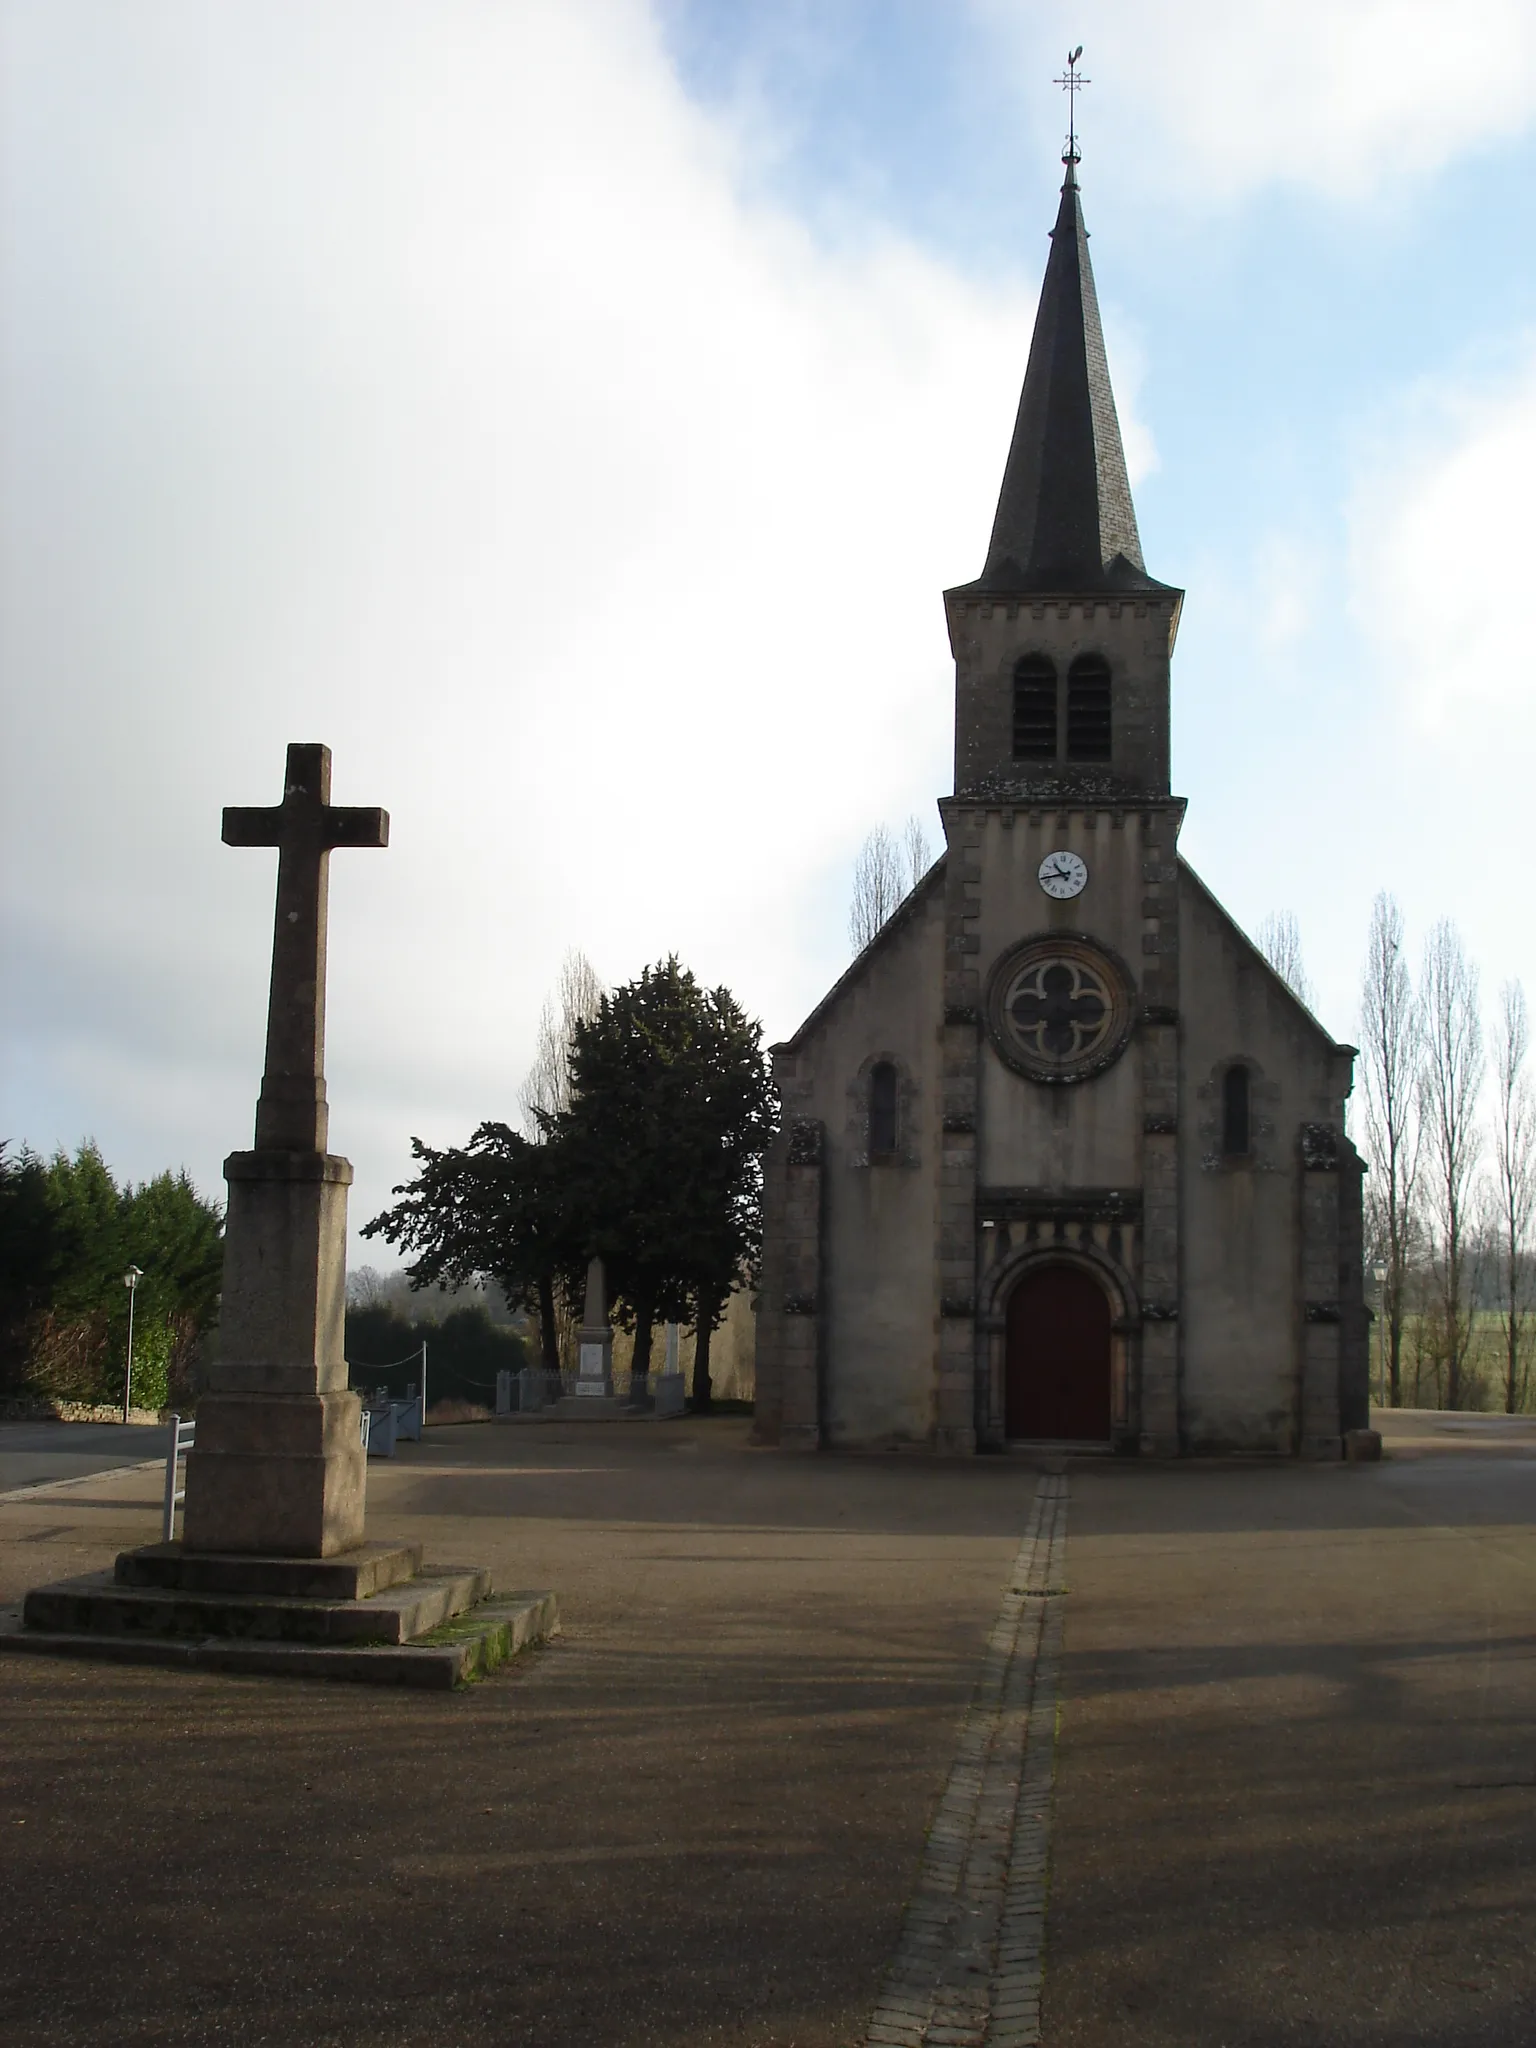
[594,1341]
[279,1468]
[671,1391]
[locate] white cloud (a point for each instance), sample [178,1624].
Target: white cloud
[1444,532]
[1349,96]
[1443,527]
[416,380]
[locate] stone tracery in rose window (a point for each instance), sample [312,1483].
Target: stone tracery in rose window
[1059,1007]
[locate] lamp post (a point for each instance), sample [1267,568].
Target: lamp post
[1380,1275]
[131,1281]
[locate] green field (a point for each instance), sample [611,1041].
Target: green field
[1423,1370]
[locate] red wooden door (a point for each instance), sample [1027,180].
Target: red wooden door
[1058,1356]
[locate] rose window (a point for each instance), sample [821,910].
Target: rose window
[1058,1008]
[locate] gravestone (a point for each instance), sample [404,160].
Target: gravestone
[279,1467]
[594,1340]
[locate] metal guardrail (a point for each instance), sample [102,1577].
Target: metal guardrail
[183,1435]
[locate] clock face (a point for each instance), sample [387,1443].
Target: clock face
[1063,874]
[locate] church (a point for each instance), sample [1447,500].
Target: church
[1062,1160]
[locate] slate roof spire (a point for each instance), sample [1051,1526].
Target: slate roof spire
[1065,521]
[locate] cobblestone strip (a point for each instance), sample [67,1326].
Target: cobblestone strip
[967,1968]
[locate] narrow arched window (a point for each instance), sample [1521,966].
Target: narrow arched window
[1236,1123]
[1088,725]
[882,1110]
[1034,709]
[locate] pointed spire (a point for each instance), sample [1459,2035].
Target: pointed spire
[1065,520]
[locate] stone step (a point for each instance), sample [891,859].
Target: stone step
[353,1575]
[454,1654]
[98,1605]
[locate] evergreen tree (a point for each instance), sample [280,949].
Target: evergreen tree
[496,1208]
[68,1233]
[670,1115]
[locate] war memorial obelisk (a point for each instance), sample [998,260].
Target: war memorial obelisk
[279,1468]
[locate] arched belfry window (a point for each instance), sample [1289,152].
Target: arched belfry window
[1034,709]
[1236,1115]
[1088,723]
[882,1110]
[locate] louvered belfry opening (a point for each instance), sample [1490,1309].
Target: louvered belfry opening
[1089,733]
[1034,709]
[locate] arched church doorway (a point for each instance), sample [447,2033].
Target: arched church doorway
[1058,1359]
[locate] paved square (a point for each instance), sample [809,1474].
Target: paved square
[1294,1801]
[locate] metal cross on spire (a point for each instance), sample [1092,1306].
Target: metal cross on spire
[1072,84]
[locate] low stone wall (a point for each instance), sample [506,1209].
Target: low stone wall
[38,1408]
[732,1353]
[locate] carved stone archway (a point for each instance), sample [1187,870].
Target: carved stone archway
[1007,1271]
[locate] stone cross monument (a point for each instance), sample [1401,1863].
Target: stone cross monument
[278,1468]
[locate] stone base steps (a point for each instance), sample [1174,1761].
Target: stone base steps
[374,1614]
[98,1604]
[351,1575]
[461,1650]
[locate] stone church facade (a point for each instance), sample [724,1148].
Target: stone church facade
[1062,1158]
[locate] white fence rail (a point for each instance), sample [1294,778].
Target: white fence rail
[182,1437]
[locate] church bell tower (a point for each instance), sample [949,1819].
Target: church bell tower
[1061,982]
[1062,643]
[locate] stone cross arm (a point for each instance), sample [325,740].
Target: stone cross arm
[291,1113]
[306,816]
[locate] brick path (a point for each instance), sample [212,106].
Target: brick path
[967,1969]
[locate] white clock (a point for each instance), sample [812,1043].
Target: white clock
[1063,874]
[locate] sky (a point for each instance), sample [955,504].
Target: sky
[571,411]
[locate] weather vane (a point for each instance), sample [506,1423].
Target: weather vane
[1072,85]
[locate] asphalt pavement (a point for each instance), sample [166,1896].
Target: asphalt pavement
[1295,1798]
[34,1453]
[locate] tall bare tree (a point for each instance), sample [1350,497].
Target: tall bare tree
[546,1090]
[1280,943]
[1450,1082]
[1514,1162]
[878,887]
[546,1093]
[916,850]
[1390,1043]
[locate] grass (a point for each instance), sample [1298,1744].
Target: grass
[1423,1376]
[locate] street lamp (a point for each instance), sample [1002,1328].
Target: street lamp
[1379,1273]
[131,1281]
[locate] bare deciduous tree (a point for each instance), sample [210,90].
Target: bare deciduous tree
[1514,1160]
[1280,943]
[877,887]
[884,875]
[919,855]
[1390,1039]
[1450,1081]
[546,1091]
